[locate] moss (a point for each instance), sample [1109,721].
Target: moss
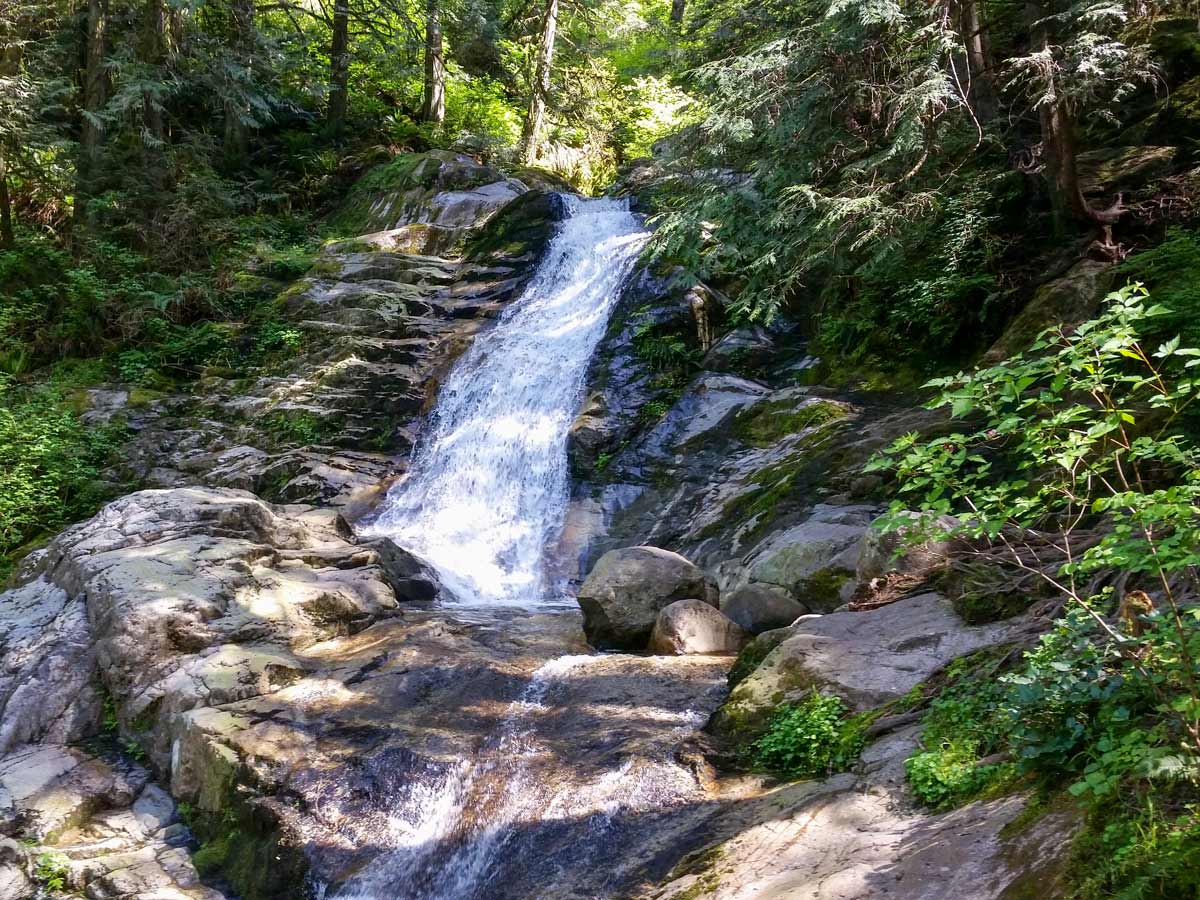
[243,844]
[522,227]
[330,267]
[288,428]
[701,863]
[140,397]
[763,424]
[822,590]
[753,654]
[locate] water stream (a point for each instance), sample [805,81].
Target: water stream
[488,486]
[485,496]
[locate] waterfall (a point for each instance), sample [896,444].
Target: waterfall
[488,486]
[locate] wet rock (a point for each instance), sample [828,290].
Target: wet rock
[762,607]
[694,626]
[866,658]
[742,351]
[625,591]
[412,578]
[1068,301]
[893,553]
[816,560]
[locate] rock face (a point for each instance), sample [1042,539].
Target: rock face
[1069,300]
[694,626]
[865,658]
[762,607]
[856,836]
[625,591]
[377,322]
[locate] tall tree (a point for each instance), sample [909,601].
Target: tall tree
[980,66]
[678,8]
[152,52]
[95,96]
[7,239]
[540,88]
[237,111]
[10,64]
[339,68]
[434,107]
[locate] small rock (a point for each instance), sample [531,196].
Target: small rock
[154,809]
[15,883]
[626,589]
[693,626]
[762,607]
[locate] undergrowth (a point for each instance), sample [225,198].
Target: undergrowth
[813,738]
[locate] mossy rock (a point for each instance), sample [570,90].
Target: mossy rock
[522,228]
[754,653]
[822,591]
[764,424]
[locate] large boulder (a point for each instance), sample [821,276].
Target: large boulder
[1068,300]
[626,589]
[193,596]
[816,560]
[866,658]
[692,626]
[762,607]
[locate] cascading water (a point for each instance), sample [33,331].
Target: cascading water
[485,496]
[488,487]
[448,833]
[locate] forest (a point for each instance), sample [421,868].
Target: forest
[891,187]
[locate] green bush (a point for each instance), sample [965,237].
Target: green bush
[965,723]
[50,870]
[1076,472]
[810,739]
[50,465]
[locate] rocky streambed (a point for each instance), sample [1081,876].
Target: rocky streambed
[215,687]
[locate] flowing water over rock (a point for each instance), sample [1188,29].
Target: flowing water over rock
[488,486]
[585,753]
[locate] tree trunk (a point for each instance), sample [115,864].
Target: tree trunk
[7,241]
[678,8]
[531,136]
[95,96]
[153,52]
[339,68]
[236,136]
[434,107]
[982,94]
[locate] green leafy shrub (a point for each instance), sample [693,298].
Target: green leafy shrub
[50,869]
[1077,475]
[965,723]
[50,465]
[810,739]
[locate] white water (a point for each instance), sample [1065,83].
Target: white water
[487,490]
[447,835]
